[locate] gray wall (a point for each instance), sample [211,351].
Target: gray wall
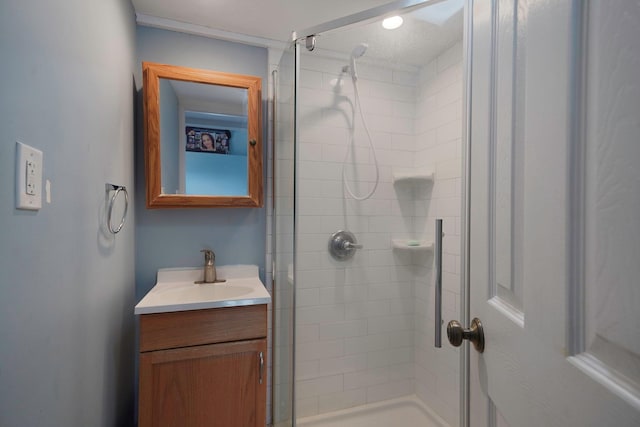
[66,289]
[169,137]
[174,237]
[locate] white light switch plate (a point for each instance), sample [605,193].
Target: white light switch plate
[28,177]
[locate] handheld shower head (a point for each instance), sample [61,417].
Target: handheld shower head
[357,52]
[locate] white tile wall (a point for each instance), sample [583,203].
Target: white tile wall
[355,319]
[439,146]
[365,326]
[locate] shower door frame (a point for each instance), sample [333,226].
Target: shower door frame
[297,38]
[365,15]
[276,283]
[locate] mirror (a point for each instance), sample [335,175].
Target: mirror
[203,138]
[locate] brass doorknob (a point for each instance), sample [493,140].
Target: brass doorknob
[456,334]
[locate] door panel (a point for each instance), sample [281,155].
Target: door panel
[555,212]
[610,203]
[208,385]
[505,153]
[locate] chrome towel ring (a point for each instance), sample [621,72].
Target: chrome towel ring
[117,189]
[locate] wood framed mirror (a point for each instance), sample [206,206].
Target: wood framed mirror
[203,138]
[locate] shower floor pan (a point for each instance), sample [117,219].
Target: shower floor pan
[406,412]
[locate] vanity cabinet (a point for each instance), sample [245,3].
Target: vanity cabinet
[204,367]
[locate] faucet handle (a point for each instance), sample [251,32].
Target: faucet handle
[209,256]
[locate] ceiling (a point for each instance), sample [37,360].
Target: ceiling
[420,39]
[270,19]
[415,43]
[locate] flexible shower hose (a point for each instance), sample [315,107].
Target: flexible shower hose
[350,149]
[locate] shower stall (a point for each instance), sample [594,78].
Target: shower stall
[368,139]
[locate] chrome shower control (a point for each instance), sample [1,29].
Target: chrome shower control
[343,245]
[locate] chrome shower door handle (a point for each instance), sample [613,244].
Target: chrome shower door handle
[438,285]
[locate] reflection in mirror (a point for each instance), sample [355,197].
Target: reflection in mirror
[203,134]
[203,145]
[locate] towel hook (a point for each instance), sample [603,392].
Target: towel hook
[117,190]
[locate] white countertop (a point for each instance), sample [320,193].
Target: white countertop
[176,290]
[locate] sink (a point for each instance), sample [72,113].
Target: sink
[205,290]
[176,290]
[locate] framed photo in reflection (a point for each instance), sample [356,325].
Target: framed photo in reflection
[207,140]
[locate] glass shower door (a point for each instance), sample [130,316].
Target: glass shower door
[378,154]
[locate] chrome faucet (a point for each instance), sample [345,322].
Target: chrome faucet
[209,266]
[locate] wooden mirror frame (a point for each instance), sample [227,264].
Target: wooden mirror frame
[152,73]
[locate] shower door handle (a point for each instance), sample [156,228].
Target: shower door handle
[438,284]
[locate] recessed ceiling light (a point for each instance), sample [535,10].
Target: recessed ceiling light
[392,23]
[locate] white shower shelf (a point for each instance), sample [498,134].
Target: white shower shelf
[403,244]
[413,176]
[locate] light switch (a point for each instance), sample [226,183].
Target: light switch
[28,177]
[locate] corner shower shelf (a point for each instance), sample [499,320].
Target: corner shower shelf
[412,176]
[403,244]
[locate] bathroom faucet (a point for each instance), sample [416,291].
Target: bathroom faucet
[209,266]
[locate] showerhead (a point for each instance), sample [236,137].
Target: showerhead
[357,52]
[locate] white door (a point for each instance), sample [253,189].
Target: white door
[555,212]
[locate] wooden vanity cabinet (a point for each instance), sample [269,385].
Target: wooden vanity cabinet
[204,368]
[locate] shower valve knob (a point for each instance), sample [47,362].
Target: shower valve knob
[343,245]
[349,245]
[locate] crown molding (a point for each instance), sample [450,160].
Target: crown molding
[203,31]
[212,33]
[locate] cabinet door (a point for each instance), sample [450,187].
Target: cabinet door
[215,385]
